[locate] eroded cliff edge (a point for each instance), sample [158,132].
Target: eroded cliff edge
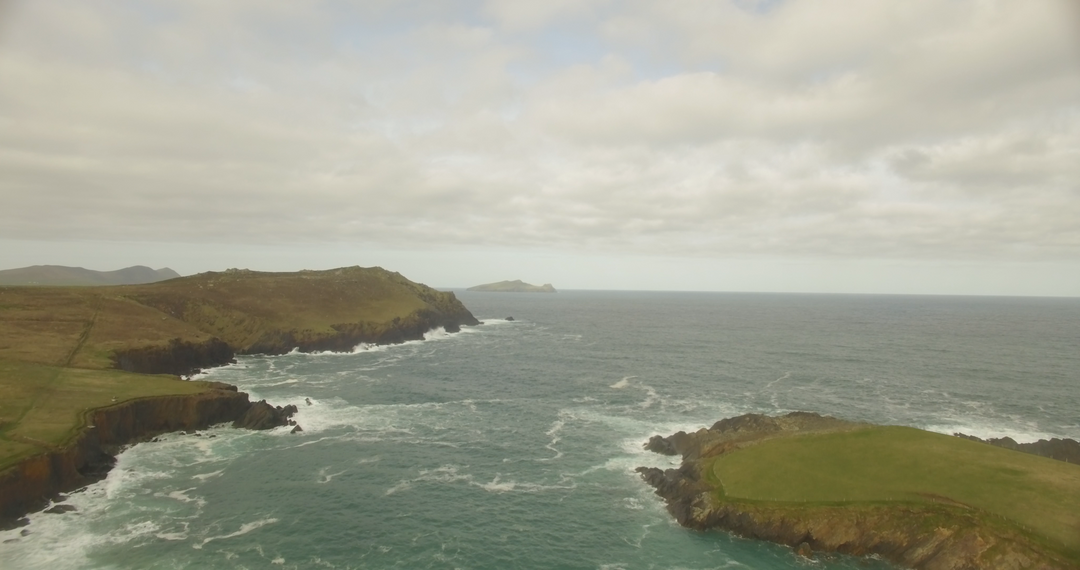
[88,458]
[903,522]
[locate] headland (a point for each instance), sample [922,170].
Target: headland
[919,499]
[516,286]
[85,370]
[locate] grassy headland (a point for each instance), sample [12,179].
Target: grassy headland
[921,499]
[67,350]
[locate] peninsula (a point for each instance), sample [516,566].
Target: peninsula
[920,499]
[84,370]
[516,286]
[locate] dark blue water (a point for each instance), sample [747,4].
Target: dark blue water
[513,444]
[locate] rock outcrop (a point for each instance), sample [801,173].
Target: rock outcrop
[939,535]
[262,416]
[1067,450]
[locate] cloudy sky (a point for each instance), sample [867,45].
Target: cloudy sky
[902,146]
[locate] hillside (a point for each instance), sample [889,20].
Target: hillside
[921,499]
[517,286]
[59,275]
[67,350]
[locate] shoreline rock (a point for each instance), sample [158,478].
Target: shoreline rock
[1067,450]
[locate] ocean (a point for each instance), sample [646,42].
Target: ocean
[513,444]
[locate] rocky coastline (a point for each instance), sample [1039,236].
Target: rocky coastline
[942,535]
[30,485]
[186,325]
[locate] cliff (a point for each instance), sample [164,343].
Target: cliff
[924,501]
[29,484]
[517,286]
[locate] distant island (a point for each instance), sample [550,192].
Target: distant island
[85,370]
[920,499]
[517,286]
[60,275]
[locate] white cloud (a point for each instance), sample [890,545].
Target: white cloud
[899,130]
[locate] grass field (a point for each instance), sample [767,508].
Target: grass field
[42,406]
[885,464]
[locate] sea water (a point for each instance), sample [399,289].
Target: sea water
[513,444]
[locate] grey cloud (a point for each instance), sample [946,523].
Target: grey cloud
[903,129]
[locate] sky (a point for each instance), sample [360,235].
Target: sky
[894,146]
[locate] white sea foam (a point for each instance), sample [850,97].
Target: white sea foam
[205,476]
[986,429]
[622,383]
[553,433]
[497,321]
[325,477]
[497,485]
[244,529]
[183,497]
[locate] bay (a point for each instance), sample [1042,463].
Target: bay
[512,444]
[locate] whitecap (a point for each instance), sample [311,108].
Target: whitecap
[325,477]
[244,529]
[205,476]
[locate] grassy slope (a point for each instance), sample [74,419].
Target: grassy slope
[56,343]
[905,465]
[239,307]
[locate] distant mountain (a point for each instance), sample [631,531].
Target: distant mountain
[517,286]
[61,275]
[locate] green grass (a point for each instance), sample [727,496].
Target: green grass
[42,406]
[906,465]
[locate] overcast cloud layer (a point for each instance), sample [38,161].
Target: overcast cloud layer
[891,130]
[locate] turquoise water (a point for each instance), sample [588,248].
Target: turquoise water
[513,444]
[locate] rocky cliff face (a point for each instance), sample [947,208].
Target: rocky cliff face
[937,536]
[30,484]
[179,357]
[345,336]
